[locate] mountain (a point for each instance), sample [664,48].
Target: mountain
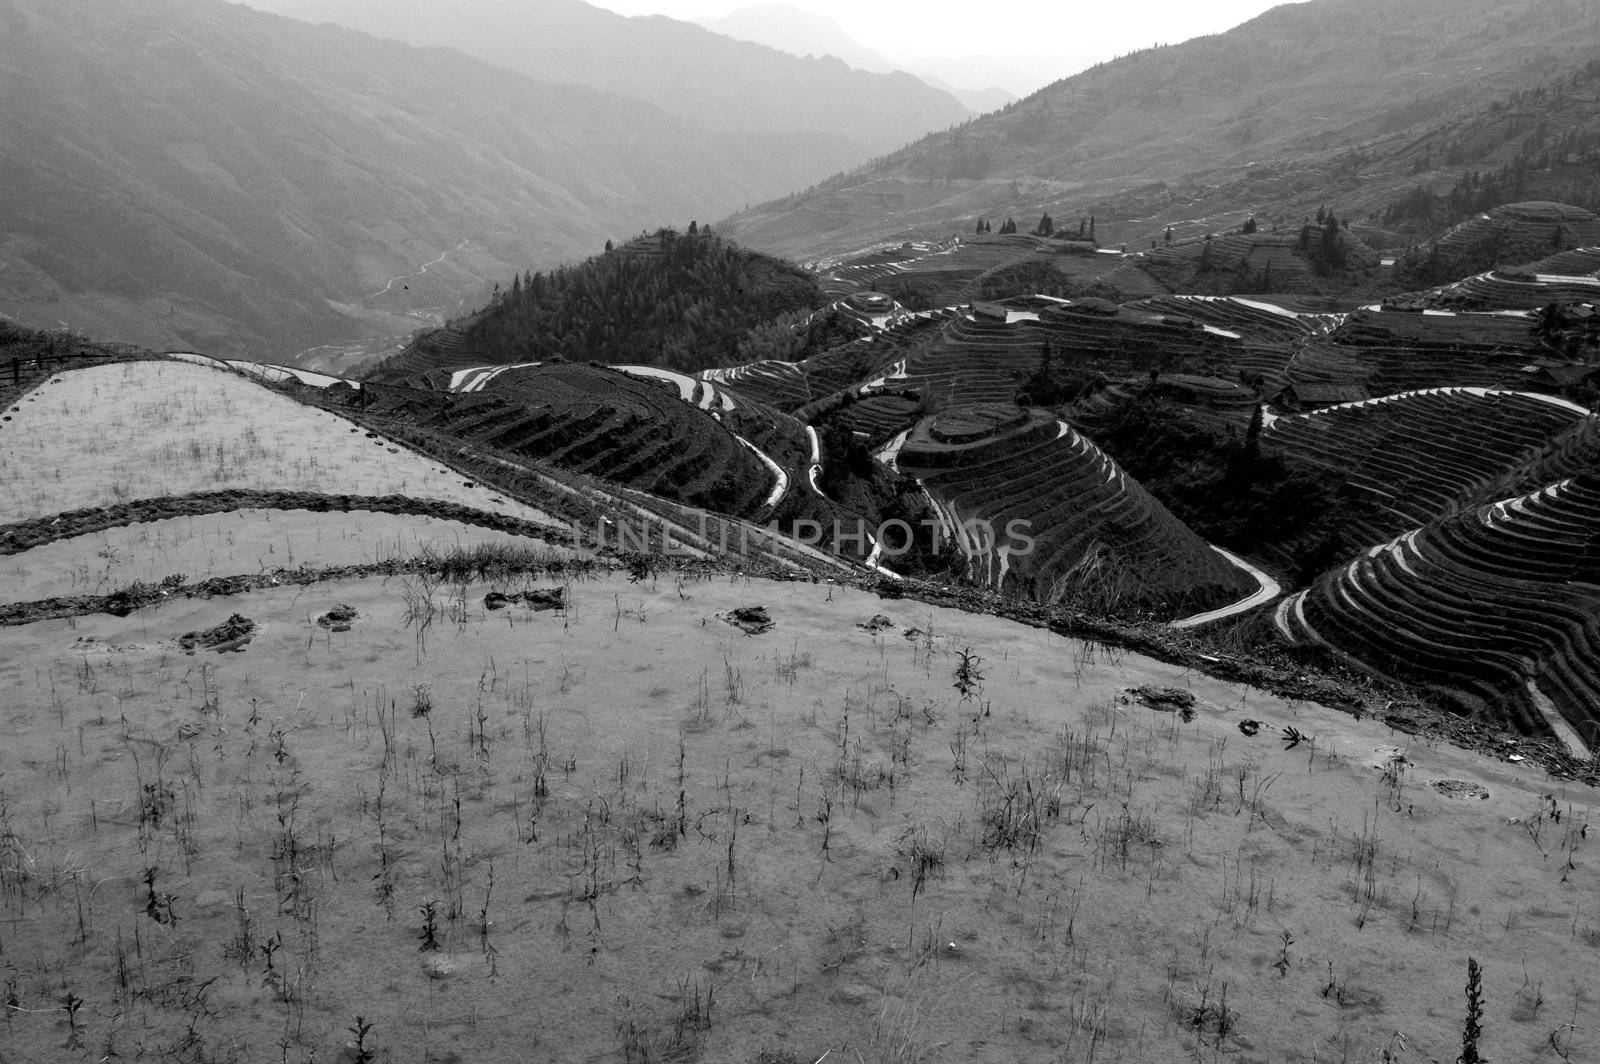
[798,32]
[1014,73]
[789,29]
[679,67]
[682,301]
[978,101]
[186,173]
[1302,80]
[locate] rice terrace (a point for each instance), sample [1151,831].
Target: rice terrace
[1111,578]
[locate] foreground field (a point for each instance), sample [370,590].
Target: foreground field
[145,430]
[628,830]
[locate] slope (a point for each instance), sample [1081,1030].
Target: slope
[1041,512]
[185,173]
[684,301]
[1300,79]
[680,67]
[556,836]
[1496,609]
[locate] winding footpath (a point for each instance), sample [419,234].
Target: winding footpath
[1267,589]
[419,272]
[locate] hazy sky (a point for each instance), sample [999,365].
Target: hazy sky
[910,28]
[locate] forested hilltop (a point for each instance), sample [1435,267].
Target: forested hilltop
[682,301]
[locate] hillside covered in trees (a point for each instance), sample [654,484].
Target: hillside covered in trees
[679,301]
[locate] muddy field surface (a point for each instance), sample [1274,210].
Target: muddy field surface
[569,818]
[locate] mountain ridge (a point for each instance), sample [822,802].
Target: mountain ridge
[680,67]
[186,173]
[798,32]
[1299,79]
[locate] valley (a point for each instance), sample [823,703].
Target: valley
[1115,579]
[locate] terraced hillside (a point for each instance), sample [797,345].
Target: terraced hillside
[1509,233]
[1573,452]
[1272,335]
[1498,609]
[988,265]
[791,386]
[648,430]
[1216,354]
[163,474]
[986,353]
[1387,351]
[1289,260]
[1000,477]
[1417,456]
[1566,277]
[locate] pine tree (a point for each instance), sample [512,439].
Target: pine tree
[1091,229]
[1249,225]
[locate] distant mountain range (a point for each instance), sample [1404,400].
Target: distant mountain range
[1301,88]
[680,67]
[798,32]
[192,173]
[189,173]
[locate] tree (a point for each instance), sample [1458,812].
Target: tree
[1168,237]
[1249,225]
[1472,1030]
[1252,437]
[1045,227]
[1091,227]
[609,247]
[1008,226]
[694,228]
[979,227]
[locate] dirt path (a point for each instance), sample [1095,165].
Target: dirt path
[23,535]
[780,487]
[1558,724]
[1267,589]
[418,272]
